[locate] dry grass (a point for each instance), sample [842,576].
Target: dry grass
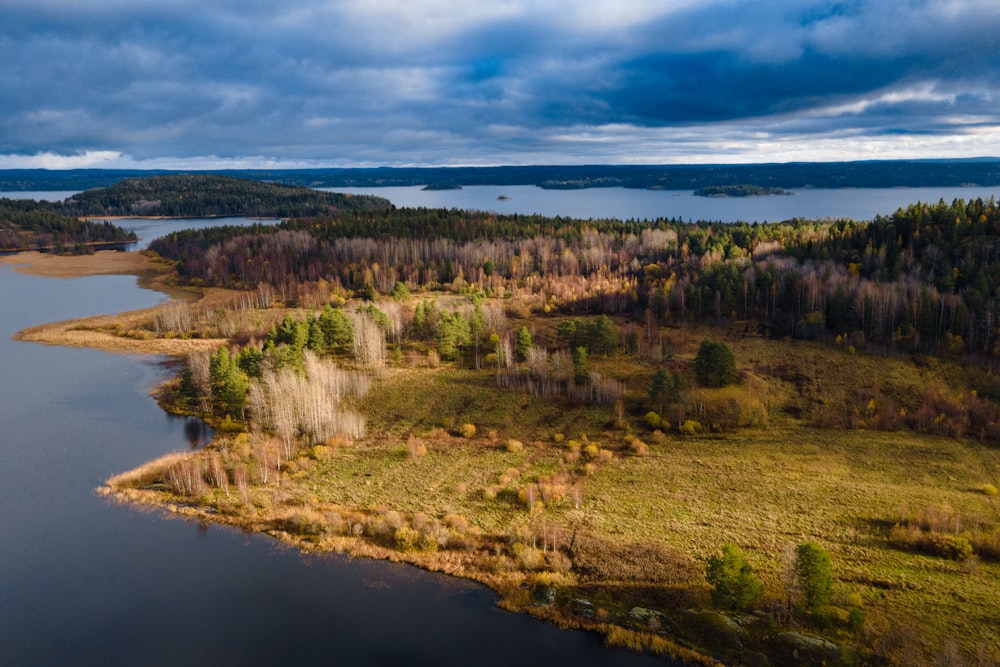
[102,262]
[147,472]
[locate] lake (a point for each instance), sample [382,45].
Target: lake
[87,582]
[84,581]
[624,203]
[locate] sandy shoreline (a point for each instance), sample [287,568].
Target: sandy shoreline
[113,333]
[102,262]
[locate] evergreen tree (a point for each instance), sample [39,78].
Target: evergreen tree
[188,389]
[581,371]
[524,343]
[453,335]
[734,584]
[814,575]
[715,365]
[229,384]
[249,360]
[338,334]
[602,336]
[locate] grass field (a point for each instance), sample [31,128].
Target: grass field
[640,520]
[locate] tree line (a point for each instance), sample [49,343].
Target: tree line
[27,224]
[203,195]
[925,279]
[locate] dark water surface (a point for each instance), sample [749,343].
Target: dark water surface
[87,582]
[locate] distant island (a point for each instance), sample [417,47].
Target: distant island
[63,227]
[434,187]
[739,190]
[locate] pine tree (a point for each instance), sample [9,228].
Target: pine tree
[715,364]
[734,584]
[814,575]
[524,343]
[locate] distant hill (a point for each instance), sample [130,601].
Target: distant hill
[32,225]
[203,195]
[874,174]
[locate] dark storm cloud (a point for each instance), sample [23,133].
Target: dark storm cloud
[428,81]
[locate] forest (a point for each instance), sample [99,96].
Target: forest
[739,190]
[924,279]
[205,195]
[31,225]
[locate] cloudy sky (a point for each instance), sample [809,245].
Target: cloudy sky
[298,83]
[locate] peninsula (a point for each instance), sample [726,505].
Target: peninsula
[709,441]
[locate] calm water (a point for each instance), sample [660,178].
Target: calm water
[86,582]
[624,204]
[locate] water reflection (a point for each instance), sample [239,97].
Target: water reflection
[196,432]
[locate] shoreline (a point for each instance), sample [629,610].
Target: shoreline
[513,588]
[285,512]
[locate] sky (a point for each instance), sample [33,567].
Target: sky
[209,84]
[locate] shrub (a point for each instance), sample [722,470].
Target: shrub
[529,558]
[988,489]
[652,419]
[734,584]
[416,447]
[407,539]
[515,446]
[954,547]
[638,447]
[690,427]
[468,431]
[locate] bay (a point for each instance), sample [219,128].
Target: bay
[84,581]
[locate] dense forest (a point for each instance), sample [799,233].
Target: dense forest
[924,279]
[27,224]
[872,174]
[202,195]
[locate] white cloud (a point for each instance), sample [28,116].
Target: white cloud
[48,160]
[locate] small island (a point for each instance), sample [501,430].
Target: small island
[739,190]
[435,187]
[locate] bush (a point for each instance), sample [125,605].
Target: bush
[515,446]
[690,427]
[638,447]
[652,420]
[468,431]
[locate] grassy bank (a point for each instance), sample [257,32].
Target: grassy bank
[595,516]
[633,513]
